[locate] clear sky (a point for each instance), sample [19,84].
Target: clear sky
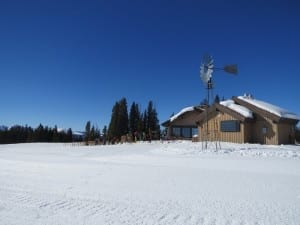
[66,62]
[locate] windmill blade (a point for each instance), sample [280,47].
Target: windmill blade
[205,73]
[231,69]
[206,68]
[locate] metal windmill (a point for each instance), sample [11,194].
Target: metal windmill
[206,69]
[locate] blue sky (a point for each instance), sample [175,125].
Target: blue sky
[66,62]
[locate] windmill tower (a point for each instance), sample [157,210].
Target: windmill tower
[211,133]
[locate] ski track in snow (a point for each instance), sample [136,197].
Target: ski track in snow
[33,208]
[149,184]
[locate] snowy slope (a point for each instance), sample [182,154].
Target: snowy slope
[149,183]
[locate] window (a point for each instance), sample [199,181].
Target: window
[230,126]
[264,130]
[186,132]
[176,131]
[194,131]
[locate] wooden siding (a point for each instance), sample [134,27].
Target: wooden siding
[248,129]
[286,133]
[271,135]
[216,134]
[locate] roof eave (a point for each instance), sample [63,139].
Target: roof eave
[218,107]
[166,123]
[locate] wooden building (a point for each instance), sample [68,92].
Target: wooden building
[183,124]
[225,124]
[241,119]
[272,124]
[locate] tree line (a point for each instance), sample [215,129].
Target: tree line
[27,134]
[135,125]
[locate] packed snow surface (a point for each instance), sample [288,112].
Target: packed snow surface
[154,183]
[283,113]
[237,108]
[184,110]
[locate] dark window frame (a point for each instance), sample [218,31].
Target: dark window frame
[230,126]
[184,131]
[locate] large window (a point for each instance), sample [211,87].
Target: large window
[230,126]
[176,131]
[184,131]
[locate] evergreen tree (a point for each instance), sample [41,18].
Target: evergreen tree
[39,133]
[69,135]
[113,125]
[204,102]
[145,124]
[97,132]
[92,134]
[21,134]
[118,125]
[30,135]
[134,119]
[123,117]
[152,122]
[55,137]
[217,99]
[87,132]
[104,132]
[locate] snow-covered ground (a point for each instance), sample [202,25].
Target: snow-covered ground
[149,183]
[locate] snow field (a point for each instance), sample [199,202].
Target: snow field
[149,183]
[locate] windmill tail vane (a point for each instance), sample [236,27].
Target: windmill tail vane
[231,69]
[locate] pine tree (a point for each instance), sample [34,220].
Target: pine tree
[30,135]
[113,125]
[104,132]
[153,127]
[217,99]
[123,117]
[97,132]
[204,102]
[87,132]
[145,125]
[134,119]
[92,134]
[55,137]
[69,135]
[39,133]
[119,120]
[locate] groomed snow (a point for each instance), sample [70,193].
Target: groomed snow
[237,108]
[154,183]
[283,113]
[187,109]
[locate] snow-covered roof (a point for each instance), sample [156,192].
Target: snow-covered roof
[187,109]
[237,108]
[78,133]
[282,113]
